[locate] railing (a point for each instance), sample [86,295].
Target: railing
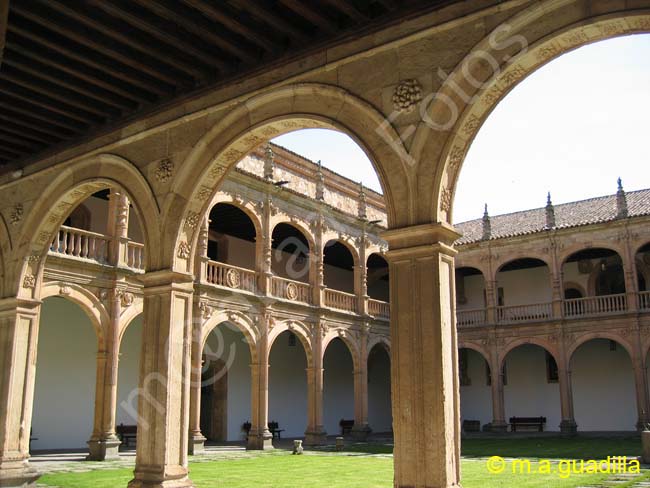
[469,318]
[291,290]
[340,300]
[135,255]
[524,313]
[377,308]
[601,305]
[644,300]
[81,244]
[231,276]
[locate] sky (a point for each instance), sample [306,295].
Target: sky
[571,128]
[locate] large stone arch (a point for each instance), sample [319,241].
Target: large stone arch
[512,51]
[598,244]
[239,320]
[348,339]
[302,332]
[128,316]
[89,303]
[476,348]
[345,241]
[263,117]
[612,336]
[378,340]
[74,184]
[548,346]
[296,223]
[248,207]
[499,264]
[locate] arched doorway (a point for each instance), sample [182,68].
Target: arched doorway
[475,390]
[291,251]
[338,267]
[128,376]
[380,416]
[338,386]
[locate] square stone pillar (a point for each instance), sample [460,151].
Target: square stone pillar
[18,343]
[163,401]
[259,437]
[315,434]
[498,423]
[641,388]
[424,349]
[361,429]
[104,444]
[197,440]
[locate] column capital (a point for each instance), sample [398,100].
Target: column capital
[167,278]
[421,239]
[11,305]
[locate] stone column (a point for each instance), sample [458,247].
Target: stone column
[630,272]
[498,423]
[104,444]
[424,366]
[317,264]
[315,433]
[568,424]
[196,439]
[264,251]
[118,227]
[18,343]
[361,429]
[165,366]
[361,277]
[491,302]
[201,263]
[259,437]
[641,387]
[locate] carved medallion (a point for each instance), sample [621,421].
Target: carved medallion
[291,291]
[407,94]
[164,170]
[233,278]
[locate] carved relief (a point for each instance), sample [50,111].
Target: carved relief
[445,200]
[126,298]
[184,250]
[407,94]
[64,290]
[216,172]
[16,214]
[471,124]
[206,310]
[204,193]
[29,281]
[233,278]
[192,220]
[292,291]
[165,170]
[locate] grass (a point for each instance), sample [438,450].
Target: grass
[355,468]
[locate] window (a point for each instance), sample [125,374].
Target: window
[551,369]
[463,367]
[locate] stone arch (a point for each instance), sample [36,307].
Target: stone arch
[612,336]
[302,332]
[380,341]
[345,241]
[245,206]
[600,244]
[498,265]
[268,115]
[349,340]
[73,185]
[297,224]
[89,303]
[128,316]
[536,341]
[573,285]
[239,320]
[493,67]
[476,348]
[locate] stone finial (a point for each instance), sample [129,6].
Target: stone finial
[487,227]
[269,162]
[363,204]
[621,201]
[320,183]
[550,212]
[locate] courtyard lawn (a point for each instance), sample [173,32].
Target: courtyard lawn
[316,470]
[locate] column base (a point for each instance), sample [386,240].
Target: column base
[497,427]
[149,480]
[17,475]
[260,442]
[641,425]
[315,438]
[103,449]
[360,433]
[568,427]
[645,447]
[196,444]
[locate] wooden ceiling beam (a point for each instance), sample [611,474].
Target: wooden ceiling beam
[97,43]
[127,36]
[266,15]
[88,57]
[4,17]
[8,155]
[30,123]
[200,26]
[23,146]
[64,96]
[59,78]
[308,11]
[348,9]
[20,130]
[164,31]
[215,12]
[92,76]
[36,112]
[12,90]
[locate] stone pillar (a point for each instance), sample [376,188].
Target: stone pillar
[118,227]
[498,423]
[316,270]
[18,344]
[424,366]
[264,251]
[361,429]
[196,440]
[557,282]
[165,366]
[104,444]
[641,387]
[361,277]
[568,424]
[630,272]
[259,437]
[315,433]
[491,302]
[201,263]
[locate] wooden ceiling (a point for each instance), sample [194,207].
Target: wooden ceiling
[71,70]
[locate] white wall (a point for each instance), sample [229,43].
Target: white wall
[476,398]
[288,386]
[528,393]
[379,407]
[128,373]
[64,395]
[525,286]
[604,396]
[338,386]
[474,293]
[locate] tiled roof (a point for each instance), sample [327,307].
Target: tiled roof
[573,214]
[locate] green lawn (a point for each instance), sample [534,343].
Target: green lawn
[355,469]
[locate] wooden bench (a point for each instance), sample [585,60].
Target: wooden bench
[471,426]
[275,429]
[346,426]
[537,422]
[126,434]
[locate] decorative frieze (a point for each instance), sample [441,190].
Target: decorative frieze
[164,170]
[407,95]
